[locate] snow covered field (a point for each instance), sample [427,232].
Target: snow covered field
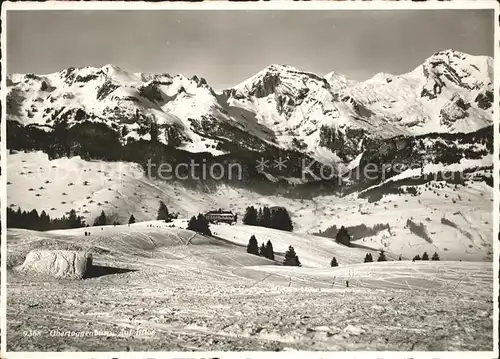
[162,288]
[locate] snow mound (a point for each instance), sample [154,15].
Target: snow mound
[58,263]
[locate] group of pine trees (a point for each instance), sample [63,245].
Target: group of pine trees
[425,257]
[276,218]
[368,259]
[265,250]
[200,225]
[104,220]
[381,257]
[163,214]
[42,222]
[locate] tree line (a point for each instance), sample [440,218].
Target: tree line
[163,214]
[42,222]
[276,218]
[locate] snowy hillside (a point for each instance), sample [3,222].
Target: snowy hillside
[313,251]
[327,118]
[207,294]
[457,218]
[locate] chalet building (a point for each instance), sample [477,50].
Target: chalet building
[221,216]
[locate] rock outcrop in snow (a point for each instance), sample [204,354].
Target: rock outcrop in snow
[58,263]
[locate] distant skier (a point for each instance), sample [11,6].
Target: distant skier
[347,283]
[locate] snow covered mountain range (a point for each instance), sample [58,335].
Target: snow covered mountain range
[330,119]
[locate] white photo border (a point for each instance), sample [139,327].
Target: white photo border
[261,5]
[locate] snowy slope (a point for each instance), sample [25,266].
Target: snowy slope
[205,294]
[313,251]
[121,189]
[140,241]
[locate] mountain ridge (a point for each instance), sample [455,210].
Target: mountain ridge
[327,118]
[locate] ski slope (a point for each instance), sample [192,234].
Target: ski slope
[189,292]
[313,251]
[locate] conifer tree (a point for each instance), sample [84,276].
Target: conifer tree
[101,220]
[131,220]
[74,221]
[435,256]
[381,257]
[425,256]
[259,217]
[192,224]
[280,219]
[253,246]
[343,237]
[203,225]
[291,258]
[368,258]
[334,263]
[162,212]
[266,217]
[269,250]
[44,221]
[250,217]
[262,250]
